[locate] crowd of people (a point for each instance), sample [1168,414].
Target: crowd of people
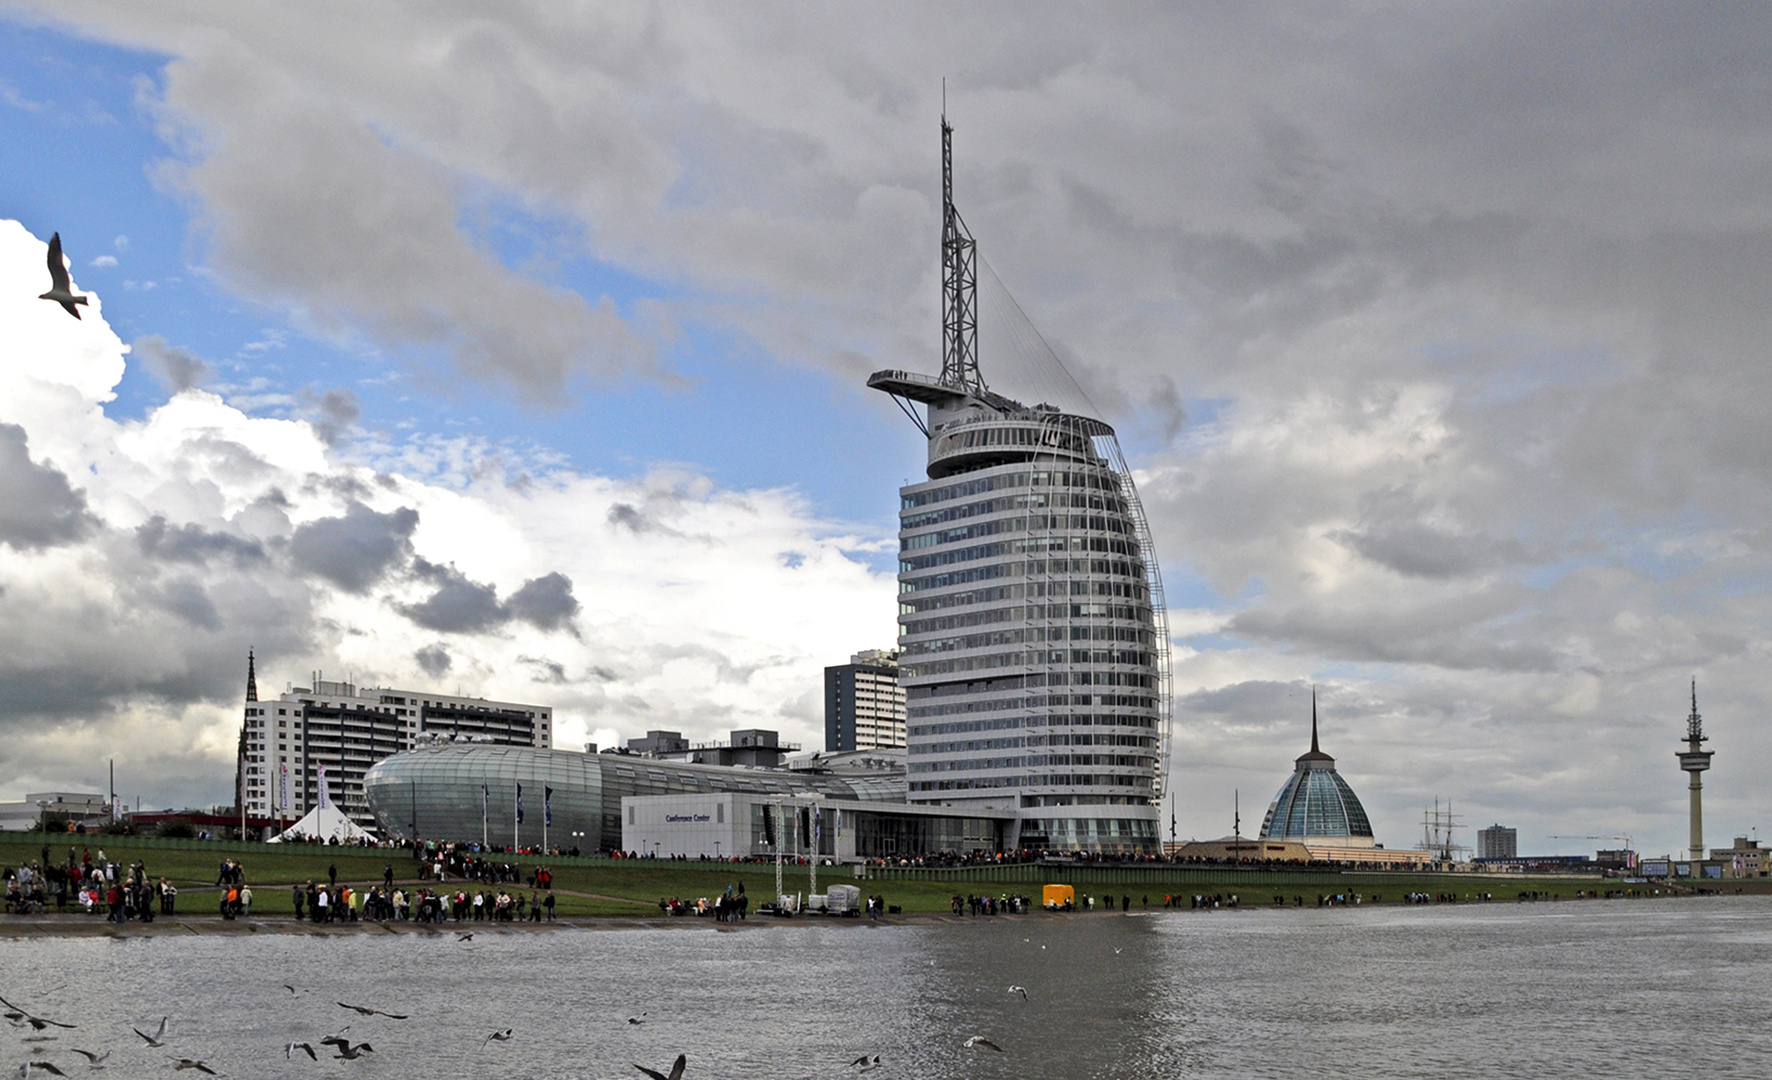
[388,902]
[730,906]
[94,885]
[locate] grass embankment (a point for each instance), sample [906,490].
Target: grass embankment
[617,887]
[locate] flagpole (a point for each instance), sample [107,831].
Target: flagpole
[517,821]
[485,798]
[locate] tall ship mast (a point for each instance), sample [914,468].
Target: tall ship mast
[1033,644]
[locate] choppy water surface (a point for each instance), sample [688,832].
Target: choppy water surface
[1565,989]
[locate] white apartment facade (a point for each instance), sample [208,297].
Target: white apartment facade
[334,731]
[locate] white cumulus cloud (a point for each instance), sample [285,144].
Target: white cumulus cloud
[140,559]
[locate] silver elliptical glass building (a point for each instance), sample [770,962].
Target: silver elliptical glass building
[1032,644]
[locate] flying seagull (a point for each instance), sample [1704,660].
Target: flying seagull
[187,1063]
[637,1019]
[92,1058]
[20,1016]
[367,1011]
[289,1051]
[347,1052]
[865,1063]
[1022,990]
[981,1041]
[469,936]
[158,1038]
[497,1036]
[676,1072]
[60,290]
[46,1066]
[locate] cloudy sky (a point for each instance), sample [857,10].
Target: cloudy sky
[522,353]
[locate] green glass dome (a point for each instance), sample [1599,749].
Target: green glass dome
[1315,802]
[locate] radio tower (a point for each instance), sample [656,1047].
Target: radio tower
[1694,761]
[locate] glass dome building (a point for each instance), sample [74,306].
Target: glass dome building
[1316,806]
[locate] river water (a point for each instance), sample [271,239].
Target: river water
[1571,989]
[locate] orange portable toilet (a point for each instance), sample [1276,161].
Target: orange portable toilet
[1058,897]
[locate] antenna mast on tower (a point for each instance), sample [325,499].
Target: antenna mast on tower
[959,282]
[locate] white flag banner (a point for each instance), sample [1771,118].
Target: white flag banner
[320,776]
[283,783]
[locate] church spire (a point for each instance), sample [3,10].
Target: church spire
[251,677]
[1315,758]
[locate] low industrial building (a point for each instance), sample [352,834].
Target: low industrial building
[70,807]
[748,824]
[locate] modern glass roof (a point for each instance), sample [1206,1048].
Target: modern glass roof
[1315,801]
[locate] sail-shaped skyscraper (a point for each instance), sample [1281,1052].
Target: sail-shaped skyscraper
[1032,639]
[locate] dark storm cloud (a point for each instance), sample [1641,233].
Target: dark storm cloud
[334,413]
[1394,532]
[187,599]
[190,543]
[177,367]
[543,670]
[433,660]
[458,605]
[546,602]
[1254,700]
[627,516]
[354,551]
[38,507]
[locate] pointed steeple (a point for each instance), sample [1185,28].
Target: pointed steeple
[1316,755]
[251,677]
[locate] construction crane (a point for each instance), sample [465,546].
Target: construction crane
[1629,848]
[1629,845]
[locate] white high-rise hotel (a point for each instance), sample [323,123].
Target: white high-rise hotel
[1032,645]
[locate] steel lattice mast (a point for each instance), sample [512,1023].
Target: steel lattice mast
[959,284]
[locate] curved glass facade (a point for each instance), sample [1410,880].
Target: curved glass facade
[1316,802]
[445,792]
[1031,643]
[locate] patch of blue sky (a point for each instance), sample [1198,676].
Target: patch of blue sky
[1185,590]
[77,152]
[76,147]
